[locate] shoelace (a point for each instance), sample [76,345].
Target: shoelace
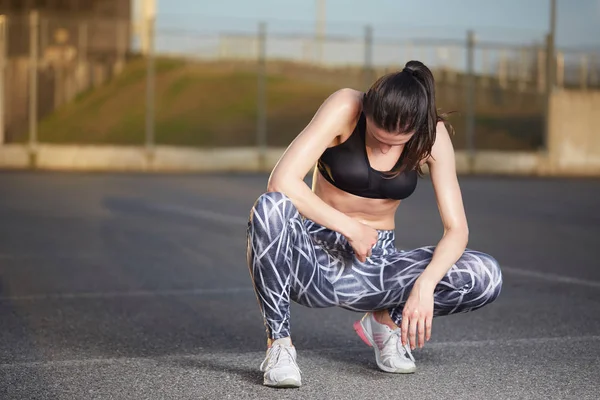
[402,349]
[276,354]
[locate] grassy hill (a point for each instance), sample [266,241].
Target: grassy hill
[214,104]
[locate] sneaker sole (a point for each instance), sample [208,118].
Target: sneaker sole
[286,383]
[359,328]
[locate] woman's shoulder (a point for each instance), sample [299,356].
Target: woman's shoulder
[349,93]
[346,103]
[346,98]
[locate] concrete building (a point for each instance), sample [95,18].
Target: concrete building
[117,9]
[80,44]
[104,23]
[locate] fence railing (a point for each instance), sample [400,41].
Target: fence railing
[68,80]
[3,58]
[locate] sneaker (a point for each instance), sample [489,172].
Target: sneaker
[390,354]
[279,367]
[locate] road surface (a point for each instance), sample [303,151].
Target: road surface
[135,287]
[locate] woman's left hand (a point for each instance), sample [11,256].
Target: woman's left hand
[417,316]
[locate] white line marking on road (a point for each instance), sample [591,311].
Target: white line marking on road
[218,217]
[490,342]
[216,291]
[568,340]
[229,219]
[135,293]
[548,276]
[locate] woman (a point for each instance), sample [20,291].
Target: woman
[334,245]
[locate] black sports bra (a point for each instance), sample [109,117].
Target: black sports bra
[347,167]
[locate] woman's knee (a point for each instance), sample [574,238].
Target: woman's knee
[485,281]
[271,212]
[491,277]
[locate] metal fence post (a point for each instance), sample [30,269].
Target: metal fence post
[320,30]
[121,45]
[83,80]
[3,56]
[550,75]
[34,24]
[261,121]
[150,88]
[593,71]
[368,72]
[583,78]
[470,98]
[541,71]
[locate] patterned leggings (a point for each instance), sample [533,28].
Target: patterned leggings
[291,257]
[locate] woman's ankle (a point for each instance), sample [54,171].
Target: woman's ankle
[383,317]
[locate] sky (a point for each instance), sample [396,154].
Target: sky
[198,28]
[578,21]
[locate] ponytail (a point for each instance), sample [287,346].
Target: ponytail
[404,102]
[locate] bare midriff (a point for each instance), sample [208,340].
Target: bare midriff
[377,213]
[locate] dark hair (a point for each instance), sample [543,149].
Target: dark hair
[404,102]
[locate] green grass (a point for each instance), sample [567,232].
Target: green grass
[216,105]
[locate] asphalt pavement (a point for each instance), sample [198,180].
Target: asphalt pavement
[127,286]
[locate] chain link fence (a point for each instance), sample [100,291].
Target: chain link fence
[68,80]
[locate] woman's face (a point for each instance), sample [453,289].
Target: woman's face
[386,140]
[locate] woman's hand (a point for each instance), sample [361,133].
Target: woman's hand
[362,238]
[417,315]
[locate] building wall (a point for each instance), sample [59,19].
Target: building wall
[80,43]
[574,142]
[118,9]
[102,26]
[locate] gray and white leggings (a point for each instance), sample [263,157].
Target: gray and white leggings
[291,257]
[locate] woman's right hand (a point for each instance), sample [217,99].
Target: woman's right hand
[362,239]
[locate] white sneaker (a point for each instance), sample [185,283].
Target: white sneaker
[280,366]
[390,354]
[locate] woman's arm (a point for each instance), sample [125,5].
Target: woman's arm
[332,119]
[442,170]
[417,315]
